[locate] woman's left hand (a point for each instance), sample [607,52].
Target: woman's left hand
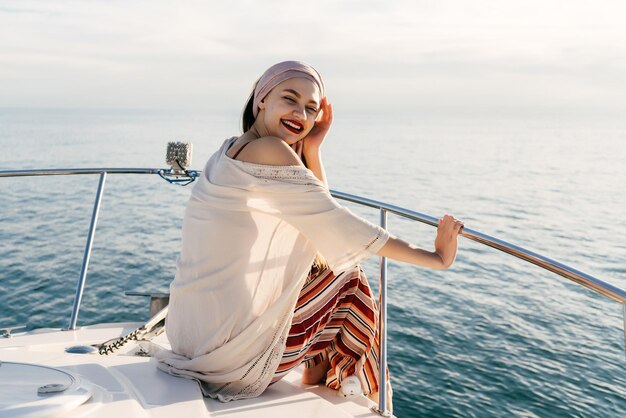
[313,141]
[446,242]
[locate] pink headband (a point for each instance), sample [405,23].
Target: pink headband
[280,72]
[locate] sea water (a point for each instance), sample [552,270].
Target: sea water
[491,337]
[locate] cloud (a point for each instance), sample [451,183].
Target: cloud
[404,53]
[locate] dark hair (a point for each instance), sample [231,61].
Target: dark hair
[247,119]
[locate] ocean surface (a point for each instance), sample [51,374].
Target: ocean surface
[491,337]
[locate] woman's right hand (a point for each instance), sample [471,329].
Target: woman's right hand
[446,242]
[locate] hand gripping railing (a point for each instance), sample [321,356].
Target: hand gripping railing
[577,276]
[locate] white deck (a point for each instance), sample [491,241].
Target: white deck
[123,384]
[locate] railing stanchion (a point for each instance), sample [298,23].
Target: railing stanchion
[624,314]
[83,270]
[382,330]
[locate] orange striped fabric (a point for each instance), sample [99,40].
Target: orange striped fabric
[337,318]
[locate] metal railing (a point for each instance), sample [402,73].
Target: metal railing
[80,285]
[577,276]
[606,289]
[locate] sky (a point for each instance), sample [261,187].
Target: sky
[406,56]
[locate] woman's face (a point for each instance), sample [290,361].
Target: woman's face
[290,109]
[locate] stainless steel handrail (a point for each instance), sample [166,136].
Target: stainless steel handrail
[381,408]
[584,279]
[72,171]
[577,276]
[80,285]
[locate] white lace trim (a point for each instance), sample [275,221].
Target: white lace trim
[292,173]
[376,238]
[297,175]
[267,362]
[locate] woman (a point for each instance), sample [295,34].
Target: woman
[268,273]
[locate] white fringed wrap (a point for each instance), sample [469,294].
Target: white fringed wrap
[250,234]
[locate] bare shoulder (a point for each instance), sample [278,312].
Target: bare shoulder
[269,150]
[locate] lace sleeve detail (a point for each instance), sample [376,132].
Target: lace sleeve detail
[288,173]
[376,238]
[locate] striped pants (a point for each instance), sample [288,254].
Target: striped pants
[336,318]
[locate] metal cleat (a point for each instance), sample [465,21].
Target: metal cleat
[6,331]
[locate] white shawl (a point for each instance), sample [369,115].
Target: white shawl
[249,237]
